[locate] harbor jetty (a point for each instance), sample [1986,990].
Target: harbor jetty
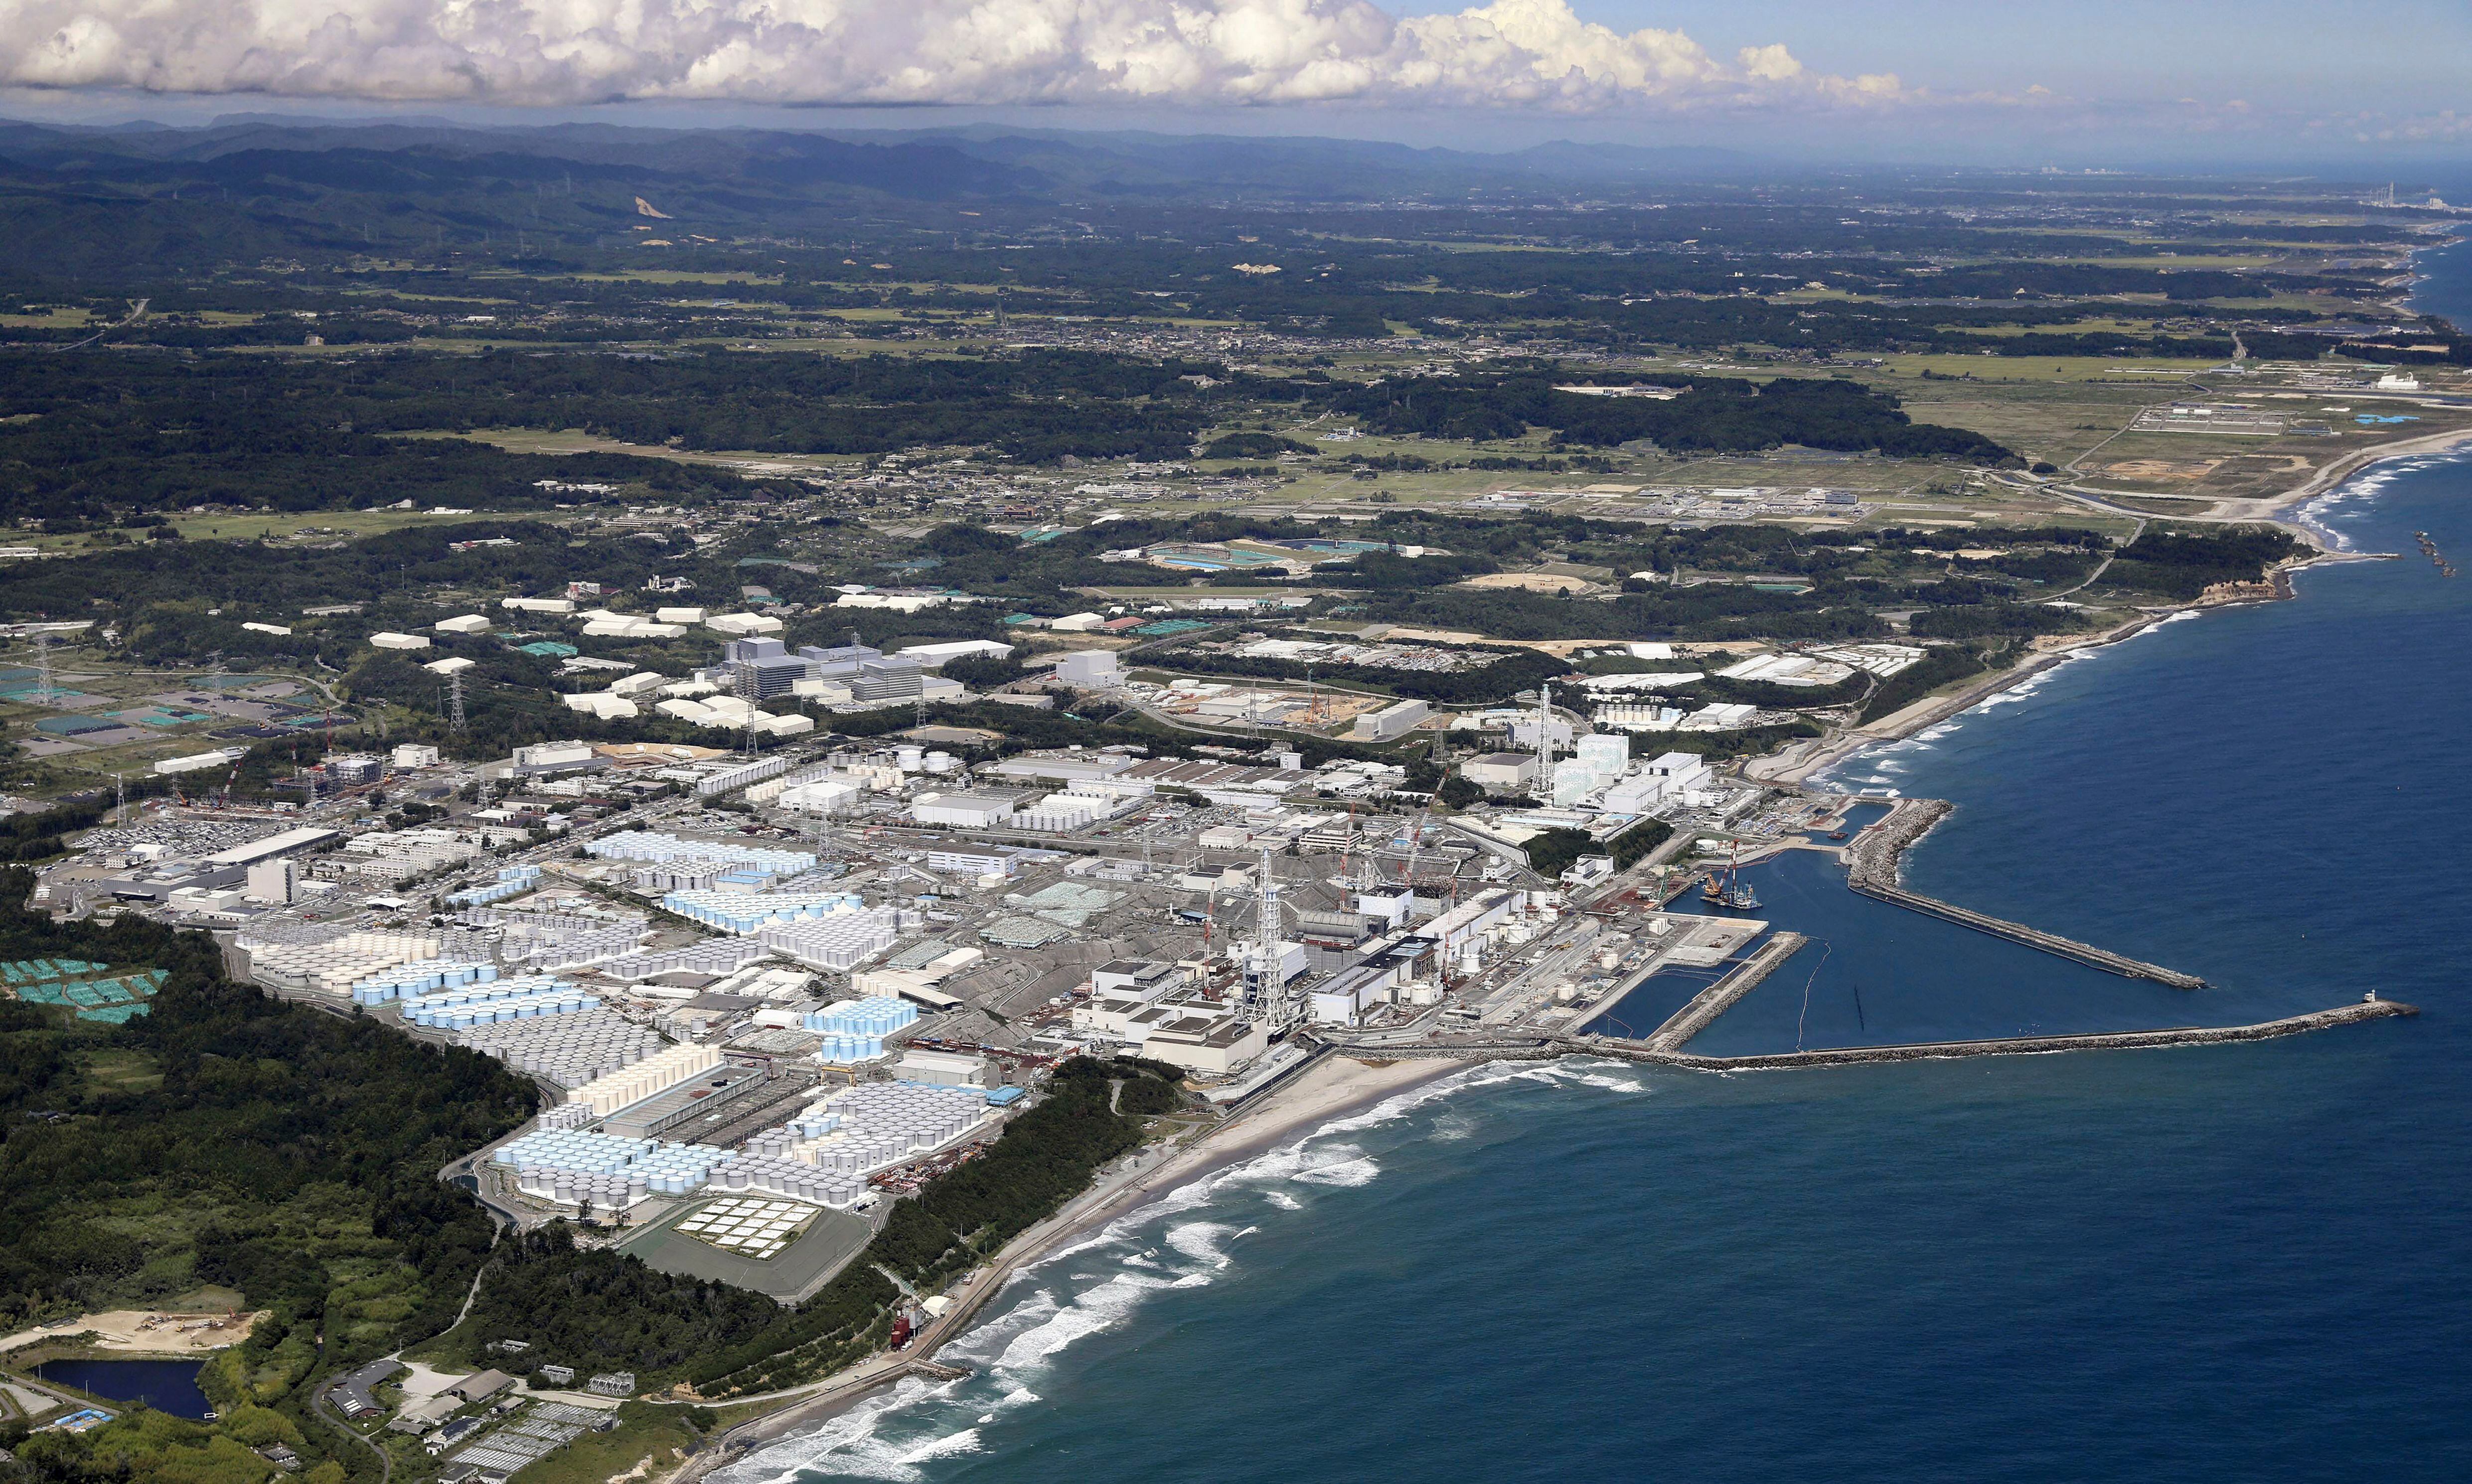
[1652,1051]
[1872,864]
[1718,998]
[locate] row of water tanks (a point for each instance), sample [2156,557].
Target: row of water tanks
[654,1074]
[573,1151]
[521,1008]
[917,760]
[674,1167]
[571,1050]
[649,845]
[744,911]
[334,966]
[512,880]
[846,1048]
[862,1129]
[421,978]
[877,1015]
[482,990]
[570,1189]
[773,1176]
[839,941]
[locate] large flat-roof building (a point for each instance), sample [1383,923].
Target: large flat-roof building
[274,847]
[965,810]
[1503,772]
[1396,719]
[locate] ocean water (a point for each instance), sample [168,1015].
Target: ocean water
[2235,1264]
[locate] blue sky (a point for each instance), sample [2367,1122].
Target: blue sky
[2337,54]
[2091,82]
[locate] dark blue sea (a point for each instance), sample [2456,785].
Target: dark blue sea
[2230,1264]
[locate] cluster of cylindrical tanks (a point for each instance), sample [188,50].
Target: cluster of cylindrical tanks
[570,1167]
[654,1074]
[553,999]
[878,1016]
[647,845]
[512,880]
[716,957]
[482,989]
[862,1129]
[838,939]
[776,1176]
[571,1190]
[570,1050]
[571,951]
[745,913]
[846,1048]
[421,977]
[333,966]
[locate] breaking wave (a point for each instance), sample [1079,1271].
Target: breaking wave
[1190,1238]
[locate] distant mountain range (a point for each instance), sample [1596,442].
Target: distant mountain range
[977,160]
[134,201]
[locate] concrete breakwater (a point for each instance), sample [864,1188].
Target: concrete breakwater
[1871,868]
[1877,852]
[1718,998]
[2033,937]
[2011,1046]
[1622,1049]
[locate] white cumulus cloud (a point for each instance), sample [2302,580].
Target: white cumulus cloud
[1532,53]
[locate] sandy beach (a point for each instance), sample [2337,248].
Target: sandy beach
[1330,1088]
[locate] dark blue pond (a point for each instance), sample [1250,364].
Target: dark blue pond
[165,1385]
